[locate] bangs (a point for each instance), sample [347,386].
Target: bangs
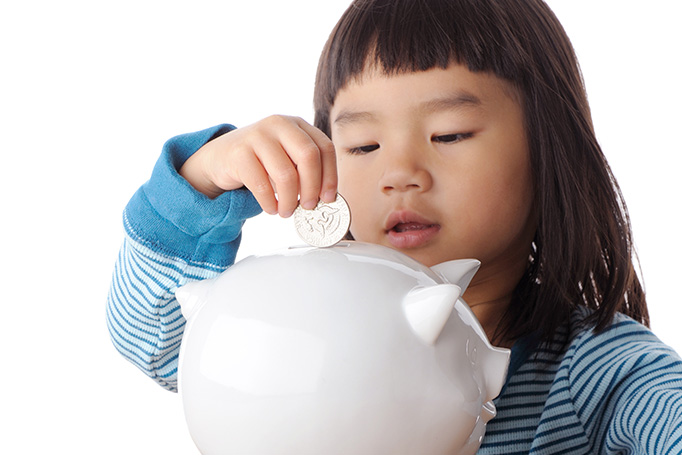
[401,36]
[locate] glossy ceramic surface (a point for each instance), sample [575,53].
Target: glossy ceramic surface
[354,349]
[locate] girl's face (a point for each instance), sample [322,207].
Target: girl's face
[436,164]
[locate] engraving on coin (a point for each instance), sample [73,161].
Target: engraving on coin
[325,225]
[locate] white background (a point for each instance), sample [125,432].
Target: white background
[89,91]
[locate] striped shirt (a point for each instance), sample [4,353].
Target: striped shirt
[619,391]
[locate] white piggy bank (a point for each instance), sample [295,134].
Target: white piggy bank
[354,349]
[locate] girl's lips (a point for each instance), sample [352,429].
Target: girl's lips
[409,230]
[412,238]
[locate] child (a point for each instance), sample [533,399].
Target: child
[460,128]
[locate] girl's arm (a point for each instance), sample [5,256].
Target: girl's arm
[174,235]
[627,388]
[648,403]
[184,224]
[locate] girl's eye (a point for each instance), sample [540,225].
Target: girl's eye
[363,149]
[452,138]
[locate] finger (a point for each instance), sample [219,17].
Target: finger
[282,171]
[327,153]
[255,178]
[306,156]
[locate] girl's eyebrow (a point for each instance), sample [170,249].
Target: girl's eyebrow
[348,117]
[453,102]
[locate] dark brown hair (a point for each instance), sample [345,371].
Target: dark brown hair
[582,254]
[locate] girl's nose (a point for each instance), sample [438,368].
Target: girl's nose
[405,170]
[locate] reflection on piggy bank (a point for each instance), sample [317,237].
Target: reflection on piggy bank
[354,349]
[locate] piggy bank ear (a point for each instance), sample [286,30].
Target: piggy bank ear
[192,295]
[427,309]
[459,272]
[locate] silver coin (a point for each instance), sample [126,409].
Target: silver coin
[325,225]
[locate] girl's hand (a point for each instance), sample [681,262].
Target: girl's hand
[278,155]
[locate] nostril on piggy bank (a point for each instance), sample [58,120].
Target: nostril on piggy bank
[353,349]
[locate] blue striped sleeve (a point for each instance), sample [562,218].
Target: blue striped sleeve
[173,235]
[143,317]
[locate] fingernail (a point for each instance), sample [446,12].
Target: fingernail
[309,205]
[329,196]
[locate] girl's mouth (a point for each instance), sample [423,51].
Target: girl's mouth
[408,230]
[405,227]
